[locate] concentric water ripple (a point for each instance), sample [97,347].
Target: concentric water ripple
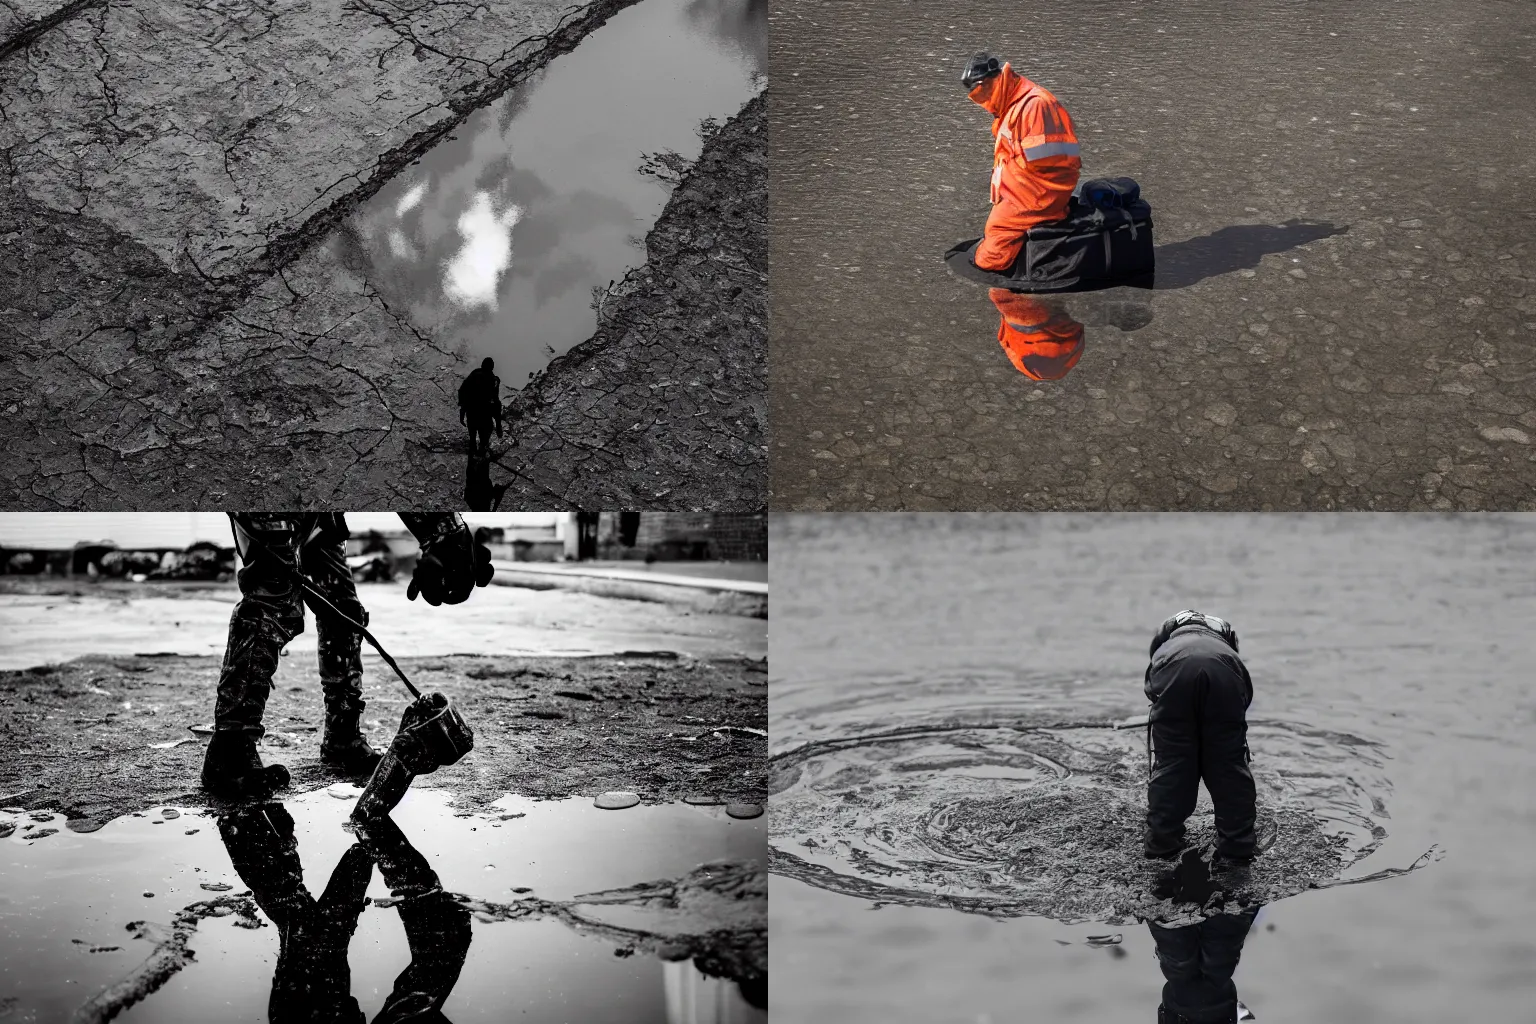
[1022,819]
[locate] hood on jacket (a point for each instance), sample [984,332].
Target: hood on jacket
[1001,91]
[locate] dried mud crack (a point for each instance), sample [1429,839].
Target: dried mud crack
[171,333]
[668,400]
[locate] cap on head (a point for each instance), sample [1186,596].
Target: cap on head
[486,363]
[1189,617]
[982,67]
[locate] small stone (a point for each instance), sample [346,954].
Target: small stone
[214,887]
[42,833]
[148,894]
[702,800]
[1222,414]
[744,811]
[169,813]
[1505,434]
[617,800]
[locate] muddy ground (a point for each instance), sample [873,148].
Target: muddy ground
[78,737]
[166,170]
[675,379]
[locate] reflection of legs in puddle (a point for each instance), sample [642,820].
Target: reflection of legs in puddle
[313,981]
[479,493]
[1198,961]
[436,926]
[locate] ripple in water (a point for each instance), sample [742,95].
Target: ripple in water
[1010,820]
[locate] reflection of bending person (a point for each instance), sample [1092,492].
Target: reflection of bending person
[1042,340]
[436,926]
[313,981]
[1198,961]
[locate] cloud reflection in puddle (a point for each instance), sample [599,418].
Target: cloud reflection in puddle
[472,276]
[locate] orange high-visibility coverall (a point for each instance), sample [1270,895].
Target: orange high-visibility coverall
[1042,341]
[1035,163]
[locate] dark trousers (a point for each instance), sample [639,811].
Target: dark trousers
[480,430]
[1199,730]
[271,613]
[1198,961]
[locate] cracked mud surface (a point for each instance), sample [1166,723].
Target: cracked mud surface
[1389,366]
[668,401]
[77,737]
[165,173]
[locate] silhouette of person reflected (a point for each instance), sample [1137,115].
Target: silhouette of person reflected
[313,980]
[436,926]
[480,495]
[1198,960]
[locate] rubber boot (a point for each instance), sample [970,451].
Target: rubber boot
[232,768]
[344,746]
[1157,847]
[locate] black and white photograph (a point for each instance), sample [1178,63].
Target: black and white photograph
[364,253]
[383,767]
[1182,768]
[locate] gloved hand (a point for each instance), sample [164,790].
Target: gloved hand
[982,67]
[450,567]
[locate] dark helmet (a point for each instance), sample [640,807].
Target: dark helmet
[486,363]
[982,67]
[1190,617]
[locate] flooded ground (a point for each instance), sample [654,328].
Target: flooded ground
[961,675]
[1343,307]
[530,910]
[40,617]
[495,239]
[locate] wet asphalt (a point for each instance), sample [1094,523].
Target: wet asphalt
[1342,318]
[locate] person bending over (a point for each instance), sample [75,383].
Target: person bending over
[1198,729]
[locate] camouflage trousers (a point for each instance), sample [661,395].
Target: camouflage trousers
[271,613]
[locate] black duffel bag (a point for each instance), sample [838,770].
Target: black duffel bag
[1090,248]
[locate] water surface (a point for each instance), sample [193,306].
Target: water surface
[1390,657]
[69,901]
[496,238]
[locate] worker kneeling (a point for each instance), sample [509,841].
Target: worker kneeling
[1035,161]
[1200,692]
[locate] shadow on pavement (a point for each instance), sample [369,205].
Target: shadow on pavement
[1238,247]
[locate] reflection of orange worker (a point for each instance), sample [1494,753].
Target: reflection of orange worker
[1034,157]
[1040,338]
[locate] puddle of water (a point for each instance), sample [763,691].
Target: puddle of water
[1291,280]
[1390,660]
[67,901]
[497,237]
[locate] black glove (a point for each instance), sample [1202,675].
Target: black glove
[982,67]
[450,567]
